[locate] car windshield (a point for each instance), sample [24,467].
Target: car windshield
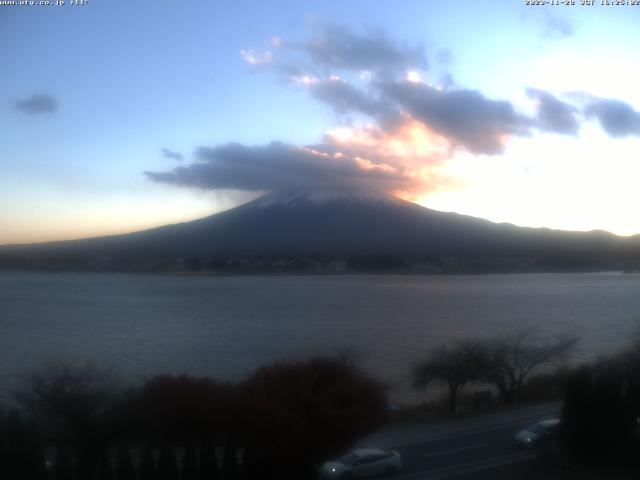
[349,458]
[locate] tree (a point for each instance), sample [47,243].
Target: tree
[253,466]
[77,403]
[62,466]
[599,415]
[189,462]
[184,408]
[148,468]
[613,426]
[167,464]
[77,394]
[3,441]
[508,360]
[230,469]
[37,463]
[17,447]
[298,414]
[124,464]
[105,471]
[208,468]
[453,366]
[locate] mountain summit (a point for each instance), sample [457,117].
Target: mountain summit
[292,198]
[332,224]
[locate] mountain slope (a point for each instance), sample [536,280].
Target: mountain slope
[337,224]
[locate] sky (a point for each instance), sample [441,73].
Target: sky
[118,116]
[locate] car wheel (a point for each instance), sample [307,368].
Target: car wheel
[390,471]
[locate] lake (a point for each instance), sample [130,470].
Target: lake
[226,326]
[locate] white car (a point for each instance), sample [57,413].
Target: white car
[535,434]
[361,463]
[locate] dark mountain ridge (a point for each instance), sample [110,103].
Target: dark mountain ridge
[337,225]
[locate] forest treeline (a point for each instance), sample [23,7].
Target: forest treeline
[71,422]
[76,424]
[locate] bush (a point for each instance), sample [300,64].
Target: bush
[545,386]
[186,409]
[298,414]
[599,415]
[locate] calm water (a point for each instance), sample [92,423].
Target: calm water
[226,326]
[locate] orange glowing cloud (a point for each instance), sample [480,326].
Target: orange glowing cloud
[411,151]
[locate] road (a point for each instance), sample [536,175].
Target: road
[475,447]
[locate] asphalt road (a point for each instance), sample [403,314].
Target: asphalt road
[475,447]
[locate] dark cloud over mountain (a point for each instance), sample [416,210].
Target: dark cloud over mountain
[275,166]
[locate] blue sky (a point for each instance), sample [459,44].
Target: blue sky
[91,95]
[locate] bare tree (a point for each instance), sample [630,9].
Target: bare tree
[75,394]
[77,402]
[453,366]
[508,360]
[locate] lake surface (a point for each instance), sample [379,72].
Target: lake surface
[227,326]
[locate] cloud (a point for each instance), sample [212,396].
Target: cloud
[335,47]
[394,82]
[617,118]
[277,166]
[166,153]
[344,97]
[37,104]
[411,150]
[553,26]
[466,117]
[553,114]
[391,87]
[332,47]
[413,127]
[403,161]
[254,57]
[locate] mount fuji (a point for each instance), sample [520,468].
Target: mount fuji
[333,224]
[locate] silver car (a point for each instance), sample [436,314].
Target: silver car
[361,463]
[537,433]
